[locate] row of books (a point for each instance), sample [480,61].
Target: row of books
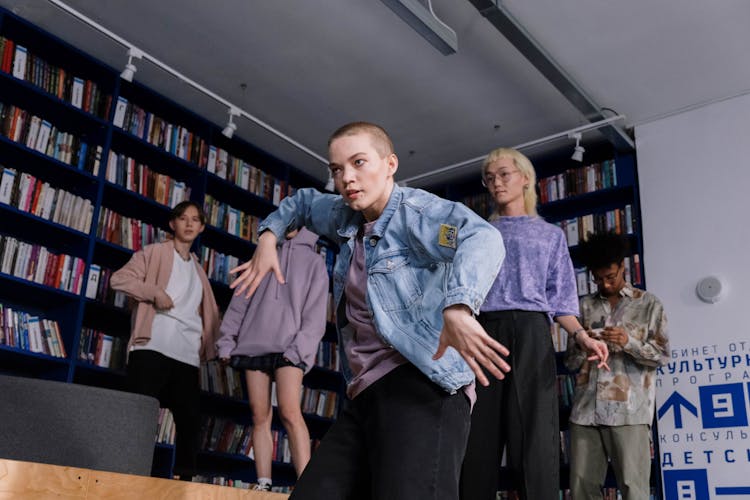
[481,203]
[30,332]
[165,427]
[35,263]
[559,337]
[38,134]
[153,129]
[137,177]
[223,380]
[224,435]
[30,194]
[230,219]
[217,264]
[619,220]
[250,178]
[127,232]
[80,93]
[97,348]
[327,356]
[97,287]
[320,402]
[577,181]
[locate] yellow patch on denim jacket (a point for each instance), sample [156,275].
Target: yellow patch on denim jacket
[448,236]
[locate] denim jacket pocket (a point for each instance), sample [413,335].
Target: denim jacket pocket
[394,282]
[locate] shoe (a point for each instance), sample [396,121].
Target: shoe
[262,487]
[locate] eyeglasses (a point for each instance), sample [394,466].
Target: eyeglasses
[610,278]
[503,176]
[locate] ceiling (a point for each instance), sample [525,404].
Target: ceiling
[310,66]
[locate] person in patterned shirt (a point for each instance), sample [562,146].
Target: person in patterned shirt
[613,410]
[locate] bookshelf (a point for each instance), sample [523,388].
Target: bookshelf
[91,165]
[598,195]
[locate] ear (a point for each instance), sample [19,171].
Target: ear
[171,225]
[392,161]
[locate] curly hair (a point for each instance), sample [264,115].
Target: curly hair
[603,249]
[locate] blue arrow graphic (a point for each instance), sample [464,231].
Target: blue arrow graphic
[733,490]
[676,400]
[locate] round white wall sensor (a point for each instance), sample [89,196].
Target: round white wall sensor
[709,289]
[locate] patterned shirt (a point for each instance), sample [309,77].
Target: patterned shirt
[625,395]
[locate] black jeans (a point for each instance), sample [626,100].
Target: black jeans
[177,386]
[402,438]
[519,413]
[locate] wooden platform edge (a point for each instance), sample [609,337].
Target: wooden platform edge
[31,480]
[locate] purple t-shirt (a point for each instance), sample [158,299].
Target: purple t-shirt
[537,274]
[369,357]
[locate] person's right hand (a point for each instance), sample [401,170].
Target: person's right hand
[162,301]
[265,259]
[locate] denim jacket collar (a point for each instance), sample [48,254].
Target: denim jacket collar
[350,231]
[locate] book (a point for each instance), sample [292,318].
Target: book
[93,281]
[120,109]
[6,185]
[19,62]
[76,97]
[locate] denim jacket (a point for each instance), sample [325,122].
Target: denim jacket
[423,255]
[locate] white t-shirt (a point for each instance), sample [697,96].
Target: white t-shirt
[176,333]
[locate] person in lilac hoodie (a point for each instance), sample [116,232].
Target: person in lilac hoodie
[536,285]
[275,335]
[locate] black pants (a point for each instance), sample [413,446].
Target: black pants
[177,386]
[519,413]
[402,438]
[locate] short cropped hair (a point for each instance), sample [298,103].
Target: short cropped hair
[601,250]
[381,141]
[180,208]
[523,164]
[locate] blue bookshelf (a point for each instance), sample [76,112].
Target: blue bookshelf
[47,90]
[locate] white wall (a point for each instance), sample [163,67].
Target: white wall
[694,171]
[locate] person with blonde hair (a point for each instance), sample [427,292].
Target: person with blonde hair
[535,286]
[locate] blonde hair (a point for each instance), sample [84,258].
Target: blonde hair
[380,139]
[524,166]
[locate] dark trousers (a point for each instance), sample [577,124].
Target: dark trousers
[519,413]
[402,438]
[176,385]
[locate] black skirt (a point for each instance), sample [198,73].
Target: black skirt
[268,363]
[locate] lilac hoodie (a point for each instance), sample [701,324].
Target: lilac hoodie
[289,319]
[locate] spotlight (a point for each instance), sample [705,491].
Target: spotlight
[130,69]
[228,131]
[578,150]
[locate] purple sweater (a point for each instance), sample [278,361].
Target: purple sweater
[537,274]
[289,319]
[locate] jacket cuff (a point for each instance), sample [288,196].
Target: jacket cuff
[464,296]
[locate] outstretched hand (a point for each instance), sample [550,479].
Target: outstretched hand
[264,260]
[464,333]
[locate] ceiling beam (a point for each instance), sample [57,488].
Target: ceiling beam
[517,35]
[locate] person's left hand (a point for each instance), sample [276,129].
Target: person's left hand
[597,349]
[615,334]
[464,333]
